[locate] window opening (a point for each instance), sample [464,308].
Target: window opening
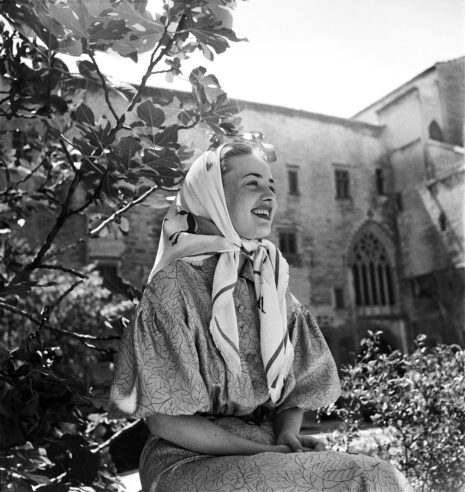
[342,184]
[372,273]
[379,181]
[339,297]
[442,221]
[293,179]
[288,242]
[435,132]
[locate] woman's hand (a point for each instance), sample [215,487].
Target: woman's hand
[299,443]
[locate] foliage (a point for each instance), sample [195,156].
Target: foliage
[87,316]
[60,160]
[419,401]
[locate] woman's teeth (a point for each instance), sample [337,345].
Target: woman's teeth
[262,213]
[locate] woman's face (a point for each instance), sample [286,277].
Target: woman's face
[250,196]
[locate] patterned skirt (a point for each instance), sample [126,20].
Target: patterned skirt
[165,467]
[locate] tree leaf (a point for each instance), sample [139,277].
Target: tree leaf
[151,115]
[162,97]
[84,114]
[167,137]
[72,15]
[105,30]
[87,69]
[126,149]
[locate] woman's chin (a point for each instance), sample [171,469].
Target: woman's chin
[257,234]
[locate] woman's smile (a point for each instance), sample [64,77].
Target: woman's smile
[262,213]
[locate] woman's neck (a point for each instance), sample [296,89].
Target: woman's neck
[242,258]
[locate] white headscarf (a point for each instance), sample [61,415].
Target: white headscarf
[198,226]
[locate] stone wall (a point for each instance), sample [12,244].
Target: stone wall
[452,91]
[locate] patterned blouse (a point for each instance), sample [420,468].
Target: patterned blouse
[170,364]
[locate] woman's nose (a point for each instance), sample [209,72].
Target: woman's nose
[268,193]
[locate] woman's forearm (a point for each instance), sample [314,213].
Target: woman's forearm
[199,434]
[288,421]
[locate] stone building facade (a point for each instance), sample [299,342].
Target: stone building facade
[370,212]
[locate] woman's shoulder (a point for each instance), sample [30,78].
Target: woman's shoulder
[181,273]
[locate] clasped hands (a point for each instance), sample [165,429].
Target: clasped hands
[299,443]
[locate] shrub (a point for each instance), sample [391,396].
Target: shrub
[53,426]
[418,400]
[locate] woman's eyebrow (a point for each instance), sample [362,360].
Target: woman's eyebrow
[256,175]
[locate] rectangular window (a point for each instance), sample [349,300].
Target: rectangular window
[379,181]
[293,180]
[109,273]
[339,297]
[288,242]
[342,184]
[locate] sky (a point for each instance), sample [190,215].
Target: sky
[325,56]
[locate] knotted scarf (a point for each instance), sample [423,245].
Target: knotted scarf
[198,226]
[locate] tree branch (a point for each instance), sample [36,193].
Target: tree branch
[69,157]
[121,211]
[51,235]
[158,72]
[83,337]
[114,436]
[31,173]
[65,293]
[66,248]
[16,310]
[62,269]
[92,197]
[104,86]
[155,59]
[5,99]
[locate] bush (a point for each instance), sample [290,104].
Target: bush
[53,426]
[418,400]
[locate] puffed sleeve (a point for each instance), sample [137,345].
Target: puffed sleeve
[156,369]
[313,381]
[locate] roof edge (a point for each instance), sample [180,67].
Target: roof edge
[308,114]
[243,104]
[391,93]
[421,74]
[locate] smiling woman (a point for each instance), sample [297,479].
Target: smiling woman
[221,359]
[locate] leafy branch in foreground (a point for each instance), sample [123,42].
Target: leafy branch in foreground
[62,159]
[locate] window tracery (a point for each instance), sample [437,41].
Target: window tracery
[372,273]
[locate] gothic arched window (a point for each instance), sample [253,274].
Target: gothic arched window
[372,273]
[435,132]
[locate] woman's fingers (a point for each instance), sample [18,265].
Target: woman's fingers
[291,440]
[311,443]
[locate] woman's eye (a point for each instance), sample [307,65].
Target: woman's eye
[253,183]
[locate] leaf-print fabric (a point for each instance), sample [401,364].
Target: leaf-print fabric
[170,365]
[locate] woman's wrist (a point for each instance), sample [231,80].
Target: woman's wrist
[288,421]
[278,448]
